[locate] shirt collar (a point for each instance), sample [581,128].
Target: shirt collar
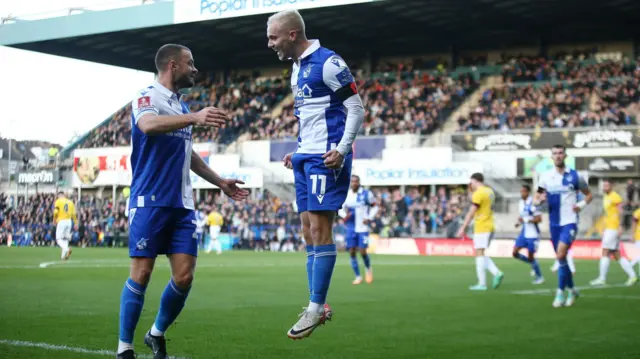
[165,91]
[315,45]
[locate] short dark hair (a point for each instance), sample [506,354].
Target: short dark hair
[478,177]
[527,187]
[166,53]
[560,147]
[356,176]
[60,193]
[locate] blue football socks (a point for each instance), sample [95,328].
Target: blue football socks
[131,302]
[171,304]
[536,268]
[522,257]
[563,273]
[367,261]
[355,266]
[324,261]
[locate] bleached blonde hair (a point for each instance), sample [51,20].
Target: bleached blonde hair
[289,20]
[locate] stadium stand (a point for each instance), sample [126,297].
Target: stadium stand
[101,222]
[400,101]
[247,99]
[559,94]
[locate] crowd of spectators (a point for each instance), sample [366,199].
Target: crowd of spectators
[245,98]
[407,102]
[404,101]
[600,94]
[417,212]
[255,223]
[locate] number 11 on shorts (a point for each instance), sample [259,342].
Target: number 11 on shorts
[314,184]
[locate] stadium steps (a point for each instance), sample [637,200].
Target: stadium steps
[234,147]
[443,138]
[287,101]
[272,182]
[470,103]
[505,187]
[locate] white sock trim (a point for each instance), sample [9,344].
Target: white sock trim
[122,346]
[315,307]
[155,331]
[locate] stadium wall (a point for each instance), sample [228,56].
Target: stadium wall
[499,248]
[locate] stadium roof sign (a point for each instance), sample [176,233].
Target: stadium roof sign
[200,10]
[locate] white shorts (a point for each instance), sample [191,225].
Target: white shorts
[214,231]
[63,229]
[610,240]
[481,240]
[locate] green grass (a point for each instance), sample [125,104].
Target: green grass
[243,303]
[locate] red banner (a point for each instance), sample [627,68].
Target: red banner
[498,248]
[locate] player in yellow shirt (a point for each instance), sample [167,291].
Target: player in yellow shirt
[215,222]
[635,233]
[612,203]
[64,216]
[481,212]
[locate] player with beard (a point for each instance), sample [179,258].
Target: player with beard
[161,207]
[560,188]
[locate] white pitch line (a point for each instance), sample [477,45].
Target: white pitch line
[47,346]
[551,290]
[46,264]
[615,296]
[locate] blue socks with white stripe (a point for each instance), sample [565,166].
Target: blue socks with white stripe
[324,261]
[171,304]
[131,303]
[534,264]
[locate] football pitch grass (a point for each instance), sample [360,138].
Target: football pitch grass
[243,303]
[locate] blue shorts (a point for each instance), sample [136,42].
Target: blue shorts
[563,234]
[319,188]
[162,230]
[357,240]
[531,244]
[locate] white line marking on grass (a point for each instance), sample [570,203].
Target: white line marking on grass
[46,264]
[551,290]
[615,296]
[47,346]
